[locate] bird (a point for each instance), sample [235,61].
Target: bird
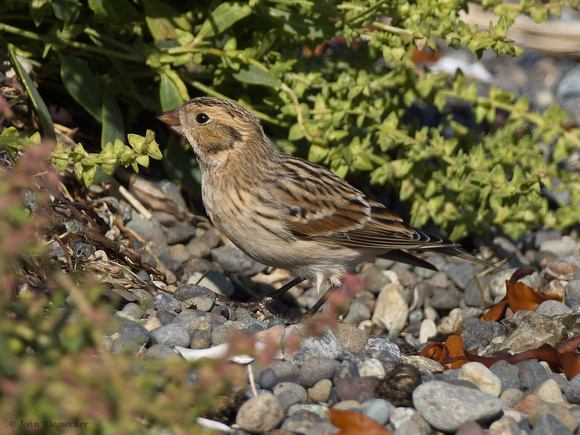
[287,212]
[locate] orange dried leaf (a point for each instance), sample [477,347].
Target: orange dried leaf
[355,423]
[496,312]
[522,297]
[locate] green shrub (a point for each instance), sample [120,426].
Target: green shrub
[346,109]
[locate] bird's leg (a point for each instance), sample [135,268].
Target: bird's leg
[277,293]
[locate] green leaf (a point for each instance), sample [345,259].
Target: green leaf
[222,18]
[37,101]
[172,91]
[162,20]
[117,13]
[82,85]
[65,9]
[253,75]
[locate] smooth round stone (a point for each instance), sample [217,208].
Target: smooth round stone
[572,391]
[319,410]
[377,409]
[324,346]
[480,376]
[358,312]
[461,274]
[408,421]
[347,405]
[134,310]
[315,369]
[223,333]
[188,319]
[508,374]
[391,309]
[505,426]
[531,375]
[552,308]
[171,335]
[427,331]
[289,393]
[446,407]
[445,299]
[559,411]
[378,345]
[190,291]
[233,260]
[359,389]
[166,317]
[371,367]
[278,371]
[511,397]
[128,336]
[161,352]
[350,337]
[200,339]
[200,303]
[163,301]
[549,425]
[214,280]
[260,414]
[320,392]
[305,422]
[549,391]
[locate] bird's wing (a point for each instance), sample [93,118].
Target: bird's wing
[318,205]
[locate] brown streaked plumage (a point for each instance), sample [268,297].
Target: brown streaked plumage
[288,212]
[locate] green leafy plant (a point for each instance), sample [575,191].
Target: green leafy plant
[333,80]
[85,165]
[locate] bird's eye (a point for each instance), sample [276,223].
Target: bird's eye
[202,118]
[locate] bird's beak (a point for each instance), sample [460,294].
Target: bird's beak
[171,118]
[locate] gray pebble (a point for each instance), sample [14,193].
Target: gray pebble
[135,310]
[161,352]
[325,345]
[508,374]
[446,407]
[278,371]
[531,374]
[289,393]
[461,274]
[315,369]
[165,317]
[163,301]
[552,308]
[188,319]
[481,333]
[260,414]
[233,260]
[445,299]
[572,391]
[171,335]
[200,339]
[213,280]
[549,425]
[318,410]
[189,291]
[320,392]
[377,409]
[128,336]
[223,333]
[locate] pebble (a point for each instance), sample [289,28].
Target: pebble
[350,337]
[446,407]
[278,371]
[572,391]
[481,377]
[128,336]
[549,425]
[171,335]
[233,260]
[359,389]
[391,309]
[320,392]
[315,369]
[213,280]
[549,391]
[260,414]
[377,409]
[289,393]
[559,411]
[504,426]
[531,374]
[508,374]
[163,301]
[324,346]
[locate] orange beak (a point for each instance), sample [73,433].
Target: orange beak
[170,118]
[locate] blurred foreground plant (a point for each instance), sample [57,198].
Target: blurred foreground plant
[334,80]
